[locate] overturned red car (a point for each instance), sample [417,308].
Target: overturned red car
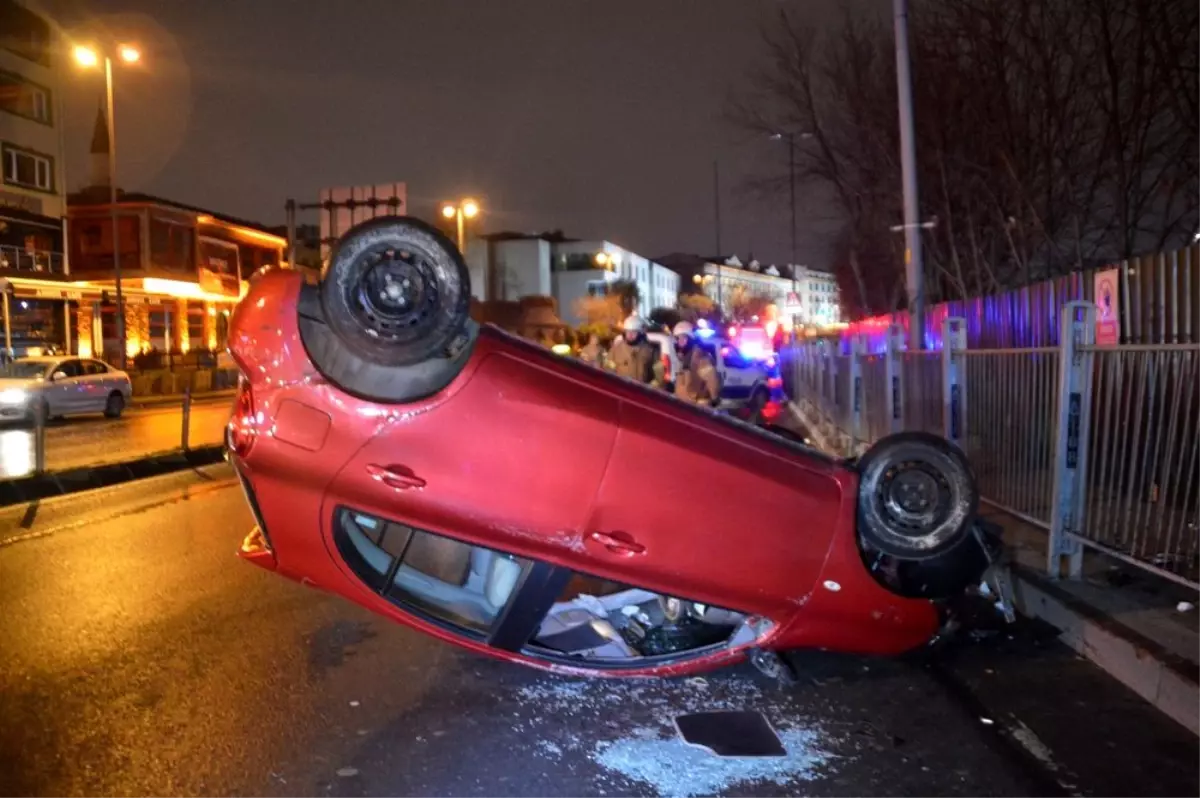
[480,488]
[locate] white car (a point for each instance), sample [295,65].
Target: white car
[61,386]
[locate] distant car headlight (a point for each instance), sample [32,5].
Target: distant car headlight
[13,396]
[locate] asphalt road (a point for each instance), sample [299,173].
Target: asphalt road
[80,441]
[140,656]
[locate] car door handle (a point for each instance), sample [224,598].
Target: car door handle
[618,543]
[397,477]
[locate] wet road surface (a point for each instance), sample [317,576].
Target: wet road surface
[81,441]
[140,656]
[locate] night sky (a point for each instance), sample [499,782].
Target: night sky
[599,118]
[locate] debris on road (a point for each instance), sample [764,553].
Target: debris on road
[347,773]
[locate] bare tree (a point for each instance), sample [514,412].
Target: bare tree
[1052,134]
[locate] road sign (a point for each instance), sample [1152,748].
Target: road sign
[1108,317]
[342,208]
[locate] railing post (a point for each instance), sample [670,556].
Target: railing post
[1077,337]
[187,417]
[39,439]
[954,402]
[858,348]
[894,366]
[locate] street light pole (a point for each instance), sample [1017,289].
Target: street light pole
[112,204]
[913,264]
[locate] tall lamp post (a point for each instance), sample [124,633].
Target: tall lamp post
[466,209]
[89,57]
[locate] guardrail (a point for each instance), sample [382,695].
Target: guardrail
[30,260]
[1099,446]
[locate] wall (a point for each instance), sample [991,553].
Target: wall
[42,137]
[522,268]
[570,286]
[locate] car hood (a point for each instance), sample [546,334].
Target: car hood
[8,383]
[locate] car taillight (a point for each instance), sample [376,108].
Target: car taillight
[666,364]
[774,382]
[242,423]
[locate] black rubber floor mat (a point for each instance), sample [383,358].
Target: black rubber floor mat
[737,733]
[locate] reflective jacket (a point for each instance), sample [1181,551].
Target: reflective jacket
[698,380]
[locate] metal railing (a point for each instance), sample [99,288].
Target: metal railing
[35,261]
[1099,446]
[1157,302]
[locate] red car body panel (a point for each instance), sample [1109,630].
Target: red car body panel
[546,459]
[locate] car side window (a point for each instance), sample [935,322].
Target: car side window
[94,367]
[72,368]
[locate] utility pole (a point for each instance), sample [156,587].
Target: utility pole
[913,263]
[792,187]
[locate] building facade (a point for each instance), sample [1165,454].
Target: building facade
[509,266]
[32,184]
[800,295]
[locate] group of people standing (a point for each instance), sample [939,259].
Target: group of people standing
[633,356]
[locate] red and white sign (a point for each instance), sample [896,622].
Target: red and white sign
[1108,300]
[351,205]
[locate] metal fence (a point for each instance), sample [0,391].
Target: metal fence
[1096,445]
[1158,302]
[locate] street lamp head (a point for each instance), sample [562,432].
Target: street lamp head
[129,54]
[470,208]
[85,56]
[602,258]
[449,211]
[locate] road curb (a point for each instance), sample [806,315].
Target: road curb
[1166,681]
[76,480]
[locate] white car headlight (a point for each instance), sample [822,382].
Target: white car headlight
[13,396]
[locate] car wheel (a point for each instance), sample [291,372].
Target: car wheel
[917,496]
[115,405]
[397,292]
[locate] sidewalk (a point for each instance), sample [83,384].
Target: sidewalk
[1123,619]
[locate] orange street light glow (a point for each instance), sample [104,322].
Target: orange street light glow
[129,55]
[86,56]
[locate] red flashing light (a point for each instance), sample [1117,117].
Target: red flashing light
[774,382]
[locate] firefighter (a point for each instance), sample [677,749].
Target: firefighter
[697,381]
[632,355]
[593,351]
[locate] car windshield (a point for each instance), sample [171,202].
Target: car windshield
[25,369]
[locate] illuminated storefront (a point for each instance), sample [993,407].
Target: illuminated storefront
[182,271]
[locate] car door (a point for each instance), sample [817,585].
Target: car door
[738,375]
[707,511]
[97,384]
[67,391]
[511,459]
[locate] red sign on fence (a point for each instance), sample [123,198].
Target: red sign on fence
[1108,317]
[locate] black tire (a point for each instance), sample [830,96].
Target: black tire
[396,293]
[115,406]
[917,496]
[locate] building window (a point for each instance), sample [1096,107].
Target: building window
[20,97]
[24,32]
[28,169]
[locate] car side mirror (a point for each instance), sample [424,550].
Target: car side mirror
[58,375]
